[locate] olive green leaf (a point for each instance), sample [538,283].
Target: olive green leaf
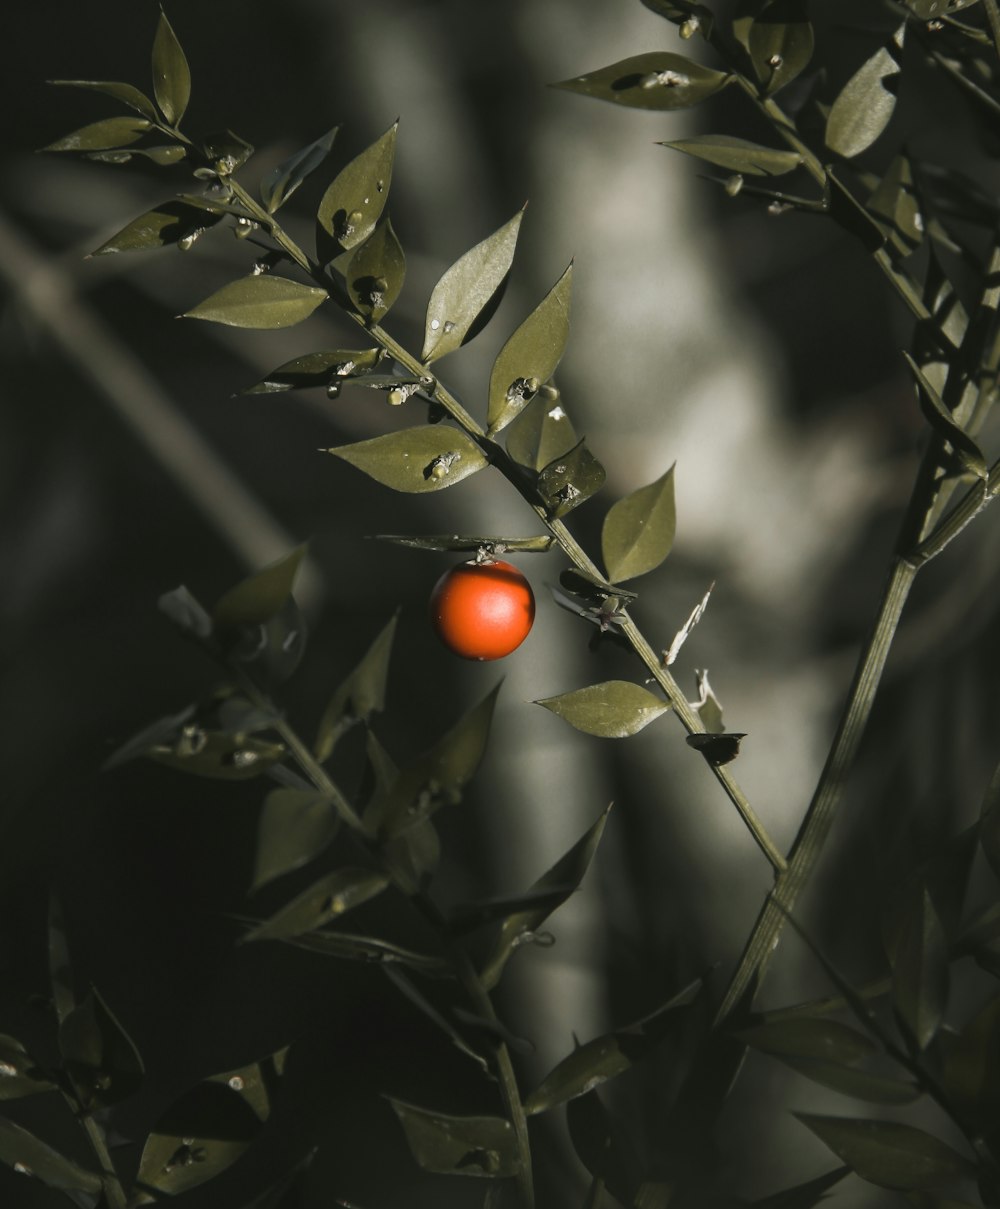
[467,291]
[317,369]
[222,755]
[809,1037]
[370,949]
[612,710]
[595,1062]
[428,458]
[563,877]
[353,203]
[656,80]
[861,1084]
[281,182]
[166,224]
[918,954]
[376,272]
[126,93]
[780,42]
[569,480]
[360,695]
[541,433]
[683,13]
[540,544]
[295,826]
[866,103]
[31,1156]
[803,1196]
[260,301]
[99,136]
[895,201]
[476,1146]
[531,355]
[206,1130]
[738,155]
[638,530]
[260,596]
[971,1073]
[945,425]
[19,1073]
[889,1153]
[326,899]
[100,1058]
[602,1147]
[438,776]
[171,74]
[849,213]
[226,150]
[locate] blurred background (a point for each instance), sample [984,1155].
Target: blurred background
[760,353]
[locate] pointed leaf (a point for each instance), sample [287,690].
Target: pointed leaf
[541,433]
[944,423]
[531,355]
[158,228]
[428,458]
[354,202]
[862,1085]
[327,899]
[600,1146]
[219,754]
[100,1058]
[423,1004]
[971,1073]
[19,1073]
[681,12]
[565,876]
[31,1156]
[360,695]
[455,541]
[809,1037]
[849,213]
[171,74]
[867,101]
[638,530]
[126,93]
[466,290]
[657,80]
[60,969]
[281,182]
[317,369]
[738,155]
[613,710]
[570,480]
[295,826]
[780,42]
[376,272]
[260,302]
[371,950]
[99,136]
[888,1153]
[477,1146]
[895,200]
[803,1196]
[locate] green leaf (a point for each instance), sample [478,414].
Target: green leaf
[780,43]
[360,695]
[206,1130]
[171,74]
[738,155]
[369,949]
[866,103]
[638,530]
[918,953]
[218,754]
[438,776]
[613,710]
[354,202]
[849,213]
[376,272]
[281,182]
[597,1061]
[888,1153]
[19,1073]
[682,11]
[226,150]
[158,228]
[99,136]
[29,1155]
[260,302]
[945,425]
[564,877]
[428,458]
[570,480]
[467,290]
[803,1196]
[861,1084]
[260,596]
[600,1146]
[454,541]
[326,899]
[475,1146]
[531,355]
[295,826]
[971,1073]
[126,93]
[541,433]
[657,80]
[317,369]
[809,1037]
[895,200]
[100,1058]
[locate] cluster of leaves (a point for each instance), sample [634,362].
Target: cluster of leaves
[913,217]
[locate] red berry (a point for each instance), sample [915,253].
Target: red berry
[482,610]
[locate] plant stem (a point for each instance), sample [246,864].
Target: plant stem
[113,1190]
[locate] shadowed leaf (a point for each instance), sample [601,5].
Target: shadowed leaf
[171,74]
[679,11]
[569,480]
[376,272]
[220,754]
[657,80]
[780,42]
[317,369]
[353,203]
[638,530]
[861,1084]
[31,1156]
[19,1073]
[466,290]
[428,458]
[918,954]
[944,423]
[326,899]
[541,433]
[971,1072]
[128,94]
[263,301]
[100,136]
[866,103]
[477,1146]
[803,1196]
[159,228]
[100,1058]
[281,182]
[809,1037]
[612,710]
[360,695]
[738,155]
[370,949]
[454,541]
[261,596]
[295,826]
[600,1147]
